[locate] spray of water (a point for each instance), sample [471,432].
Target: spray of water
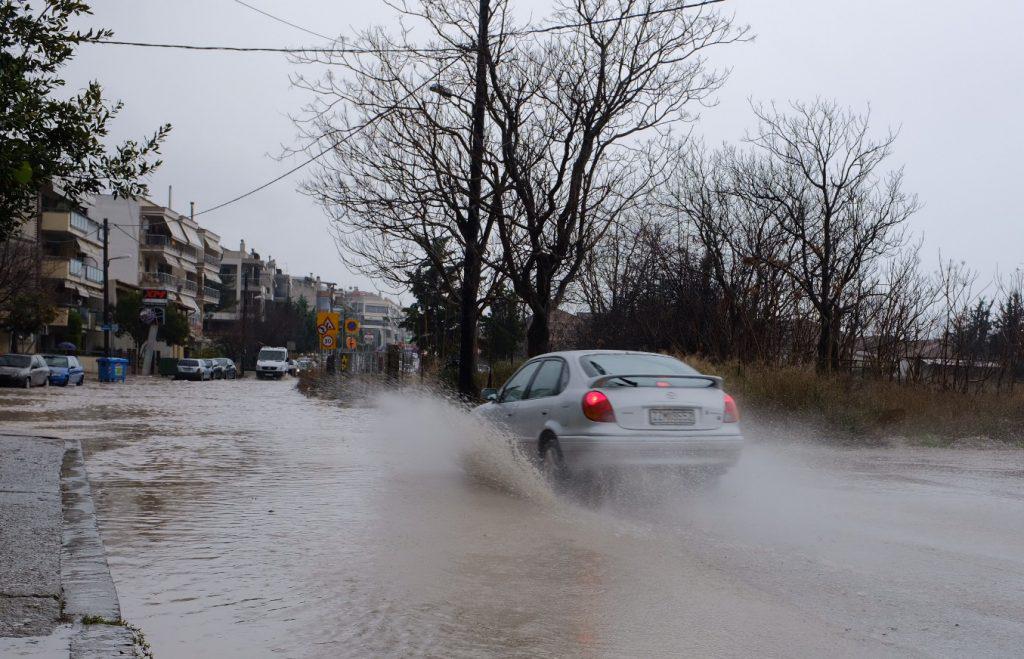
[425,432]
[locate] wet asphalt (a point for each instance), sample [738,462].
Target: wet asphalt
[245,519]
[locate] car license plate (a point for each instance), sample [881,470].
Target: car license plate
[679,416]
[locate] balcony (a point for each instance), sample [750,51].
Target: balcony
[161,280]
[211,294]
[73,270]
[212,261]
[73,223]
[157,242]
[190,286]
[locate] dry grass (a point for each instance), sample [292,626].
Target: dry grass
[867,409]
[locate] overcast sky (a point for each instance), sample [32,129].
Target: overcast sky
[947,74]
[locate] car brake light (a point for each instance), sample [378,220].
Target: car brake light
[597,407]
[732,413]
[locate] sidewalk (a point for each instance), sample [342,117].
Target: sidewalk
[53,570]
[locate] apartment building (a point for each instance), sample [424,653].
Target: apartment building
[153,246]
[70,243]
[247,281]
[379,317]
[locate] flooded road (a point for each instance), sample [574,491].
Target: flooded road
[243,519]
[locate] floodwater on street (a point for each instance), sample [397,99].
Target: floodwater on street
[244,519]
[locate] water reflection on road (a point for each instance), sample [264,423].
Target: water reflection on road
[243,519]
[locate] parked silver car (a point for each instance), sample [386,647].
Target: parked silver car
[24,370]
[593,409]
[194,369]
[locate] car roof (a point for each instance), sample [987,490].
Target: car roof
[567,354]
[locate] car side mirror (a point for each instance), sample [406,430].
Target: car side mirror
[489,394]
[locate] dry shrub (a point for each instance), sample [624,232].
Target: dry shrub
[868,409]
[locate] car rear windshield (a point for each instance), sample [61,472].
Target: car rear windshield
[56,361]
[189,362]
[18,361]
[651,366]
[272,355]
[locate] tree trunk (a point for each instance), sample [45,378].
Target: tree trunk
[828,349]
[538,336]
[471,267]
[468,317]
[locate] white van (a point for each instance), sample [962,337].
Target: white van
[272,363]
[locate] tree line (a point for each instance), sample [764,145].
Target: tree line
[790,246]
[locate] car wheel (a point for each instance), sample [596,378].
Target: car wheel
[81,380]
[552,461]
[46,382]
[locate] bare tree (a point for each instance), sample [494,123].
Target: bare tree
[397,183]
[818,175]
[577,110]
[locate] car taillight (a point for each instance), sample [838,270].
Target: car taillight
[732,413]
[597,407]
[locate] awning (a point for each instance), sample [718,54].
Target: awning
[177,231]
[171,260]
[71,286]
[193,236]
[187,265]
[211,244]
[191,304]
[213,276]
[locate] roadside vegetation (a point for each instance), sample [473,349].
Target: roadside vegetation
[848,409]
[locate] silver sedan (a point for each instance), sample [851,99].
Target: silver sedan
[588,410]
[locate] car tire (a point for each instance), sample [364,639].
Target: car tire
[81,380]
[46,382]
[552,461]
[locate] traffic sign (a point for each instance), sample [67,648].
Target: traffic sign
[327,342]
[352,326]
[350,342]
[327,323]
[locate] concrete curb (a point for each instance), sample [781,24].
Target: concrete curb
[87,586]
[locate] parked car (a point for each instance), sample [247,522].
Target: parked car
[590,410]
[194,369]
[303,364]
[293,369]
[65,370]
[24,370]
[225,368]
[272,363]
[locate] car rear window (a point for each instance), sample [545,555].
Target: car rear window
[189,362]
[18,361]
[652,366]
[56,361]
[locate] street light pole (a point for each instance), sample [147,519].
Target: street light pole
[471,264]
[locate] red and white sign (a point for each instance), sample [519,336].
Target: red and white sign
[156,297]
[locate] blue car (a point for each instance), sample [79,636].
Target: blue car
[65,370]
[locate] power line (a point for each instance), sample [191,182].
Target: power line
[281,20]
[320,154]
[261,49]
[383,51]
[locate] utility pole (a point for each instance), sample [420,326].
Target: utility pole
[471,264]
[245,314]
[106,288]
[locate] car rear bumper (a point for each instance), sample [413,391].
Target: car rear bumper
[589,452]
